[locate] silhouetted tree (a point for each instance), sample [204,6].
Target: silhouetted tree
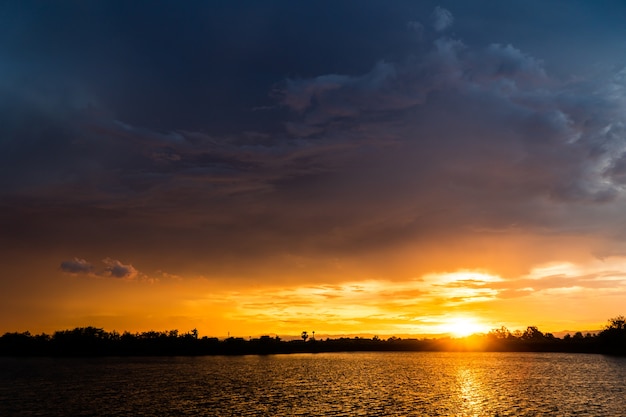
[613,337]
[532,333]
[501,333]
[617,323]
[304,335]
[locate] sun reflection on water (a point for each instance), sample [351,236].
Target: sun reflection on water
[471,393]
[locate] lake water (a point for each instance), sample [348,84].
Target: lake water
[329,384]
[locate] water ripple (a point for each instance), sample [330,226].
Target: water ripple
[330,384]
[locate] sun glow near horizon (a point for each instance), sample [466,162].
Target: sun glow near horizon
[371,307]
[452,302]
[462,326]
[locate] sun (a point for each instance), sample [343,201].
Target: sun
[462,326]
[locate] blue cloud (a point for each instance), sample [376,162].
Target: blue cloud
[441,18]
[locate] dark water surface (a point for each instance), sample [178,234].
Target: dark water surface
[328,384]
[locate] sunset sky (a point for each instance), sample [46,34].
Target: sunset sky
[344,167]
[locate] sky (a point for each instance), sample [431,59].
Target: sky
[353,167]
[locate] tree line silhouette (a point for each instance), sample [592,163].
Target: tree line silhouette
[92,341]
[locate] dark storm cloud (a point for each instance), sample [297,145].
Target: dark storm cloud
[247,130]
[506,115]
[196,65]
